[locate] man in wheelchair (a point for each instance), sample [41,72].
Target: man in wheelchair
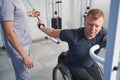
[78,60]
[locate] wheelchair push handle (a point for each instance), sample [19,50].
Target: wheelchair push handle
[94,56]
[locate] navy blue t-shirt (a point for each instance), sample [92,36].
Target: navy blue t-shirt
[79,46]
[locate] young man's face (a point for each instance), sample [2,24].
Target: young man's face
[92,26]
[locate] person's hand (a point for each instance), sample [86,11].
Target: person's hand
[34,13]
[40,24]
[28,62]
[104,38]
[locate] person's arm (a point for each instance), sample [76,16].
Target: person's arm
[49,31]
[103,41]
[8,29]
[105,38]
[33,13]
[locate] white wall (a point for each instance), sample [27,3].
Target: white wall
[71,13]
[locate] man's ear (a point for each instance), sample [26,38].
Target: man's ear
[84,21]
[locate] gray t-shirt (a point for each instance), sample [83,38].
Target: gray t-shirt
[13,10]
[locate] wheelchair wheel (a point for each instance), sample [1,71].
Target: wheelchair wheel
[95,71]
[99,69]
[61,72]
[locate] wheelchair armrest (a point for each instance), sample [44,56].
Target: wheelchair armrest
[62,56]
[94,56]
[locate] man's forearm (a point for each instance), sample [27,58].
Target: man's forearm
[50,31]
[8,28]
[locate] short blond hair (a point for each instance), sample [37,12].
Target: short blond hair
[95,13]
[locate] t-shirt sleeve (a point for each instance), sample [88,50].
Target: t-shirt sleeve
[6,10]
[67,35]
[103,33]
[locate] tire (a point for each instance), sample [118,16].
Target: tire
[61,72]
[95,71]
[99,69]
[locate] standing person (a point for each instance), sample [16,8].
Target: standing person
[80,40]
[13,18]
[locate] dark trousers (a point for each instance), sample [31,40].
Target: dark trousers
[92,73]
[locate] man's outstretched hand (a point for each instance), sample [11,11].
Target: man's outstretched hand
[40,24]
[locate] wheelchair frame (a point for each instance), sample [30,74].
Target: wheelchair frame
[62,68]
[66,74]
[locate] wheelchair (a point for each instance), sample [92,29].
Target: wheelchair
[61,72]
